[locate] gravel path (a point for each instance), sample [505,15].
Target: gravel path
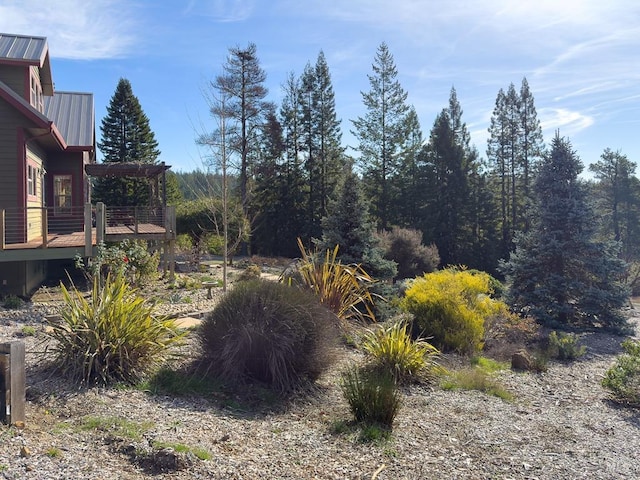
[560,426]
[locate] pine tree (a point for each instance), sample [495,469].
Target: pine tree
[408,183]
[615,199]
[381,134]
[330,151]
[558,272]
[320,142]
[514,148]
[126,137]
[532,143]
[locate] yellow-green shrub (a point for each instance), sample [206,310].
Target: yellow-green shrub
[450,307]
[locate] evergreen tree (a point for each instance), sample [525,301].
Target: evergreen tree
[531,140]
[559,273]
[514,148]
[269,203]
[617,200]
[174,194]
[309,148]
[407,210]
[381,133]
[456,197]
[330,151]
[126,138]
[348,225]
[320,144]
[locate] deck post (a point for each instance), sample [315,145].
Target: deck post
[88,227]
[2,232]
[45,228]
[100,223]
[170,239]
[12,383]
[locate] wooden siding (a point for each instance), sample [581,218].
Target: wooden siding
[9,121]
[14,77]
[68,163]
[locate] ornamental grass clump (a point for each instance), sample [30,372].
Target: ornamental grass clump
[270,332]
[394,350]
[113,336]
[372,395]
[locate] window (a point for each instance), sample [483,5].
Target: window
[32,180]
[62,194]
[37,99]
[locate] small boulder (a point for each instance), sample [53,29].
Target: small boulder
[521,360]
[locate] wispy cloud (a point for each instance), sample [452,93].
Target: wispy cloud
[567,121]
[222,10]
[77,29]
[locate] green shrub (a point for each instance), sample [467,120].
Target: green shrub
[393,350]
[130,257]
[343,289]
[270,332]
[565,346]
[212,243]
[450,306]
[12,302]
[111,337]
[623,379]
[184,243]
[372,395]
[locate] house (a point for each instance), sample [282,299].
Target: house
[47,155]
[46,139]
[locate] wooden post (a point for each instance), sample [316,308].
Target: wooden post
[100,223]
[170,238]
[88,228]
[45,228]
[2,232]
[12,383]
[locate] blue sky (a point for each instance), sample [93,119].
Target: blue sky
[581,58]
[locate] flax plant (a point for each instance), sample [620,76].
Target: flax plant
[343,289]
[113,336]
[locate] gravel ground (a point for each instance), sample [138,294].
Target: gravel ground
[561,425]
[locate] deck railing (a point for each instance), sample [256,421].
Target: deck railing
[36,226]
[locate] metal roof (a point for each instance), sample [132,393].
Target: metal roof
[21,47]
[31,51]
[73,115]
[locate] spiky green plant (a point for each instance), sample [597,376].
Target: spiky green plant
[343,289]
[113,336]
[393,349]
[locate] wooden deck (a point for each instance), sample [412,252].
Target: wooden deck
[77,239]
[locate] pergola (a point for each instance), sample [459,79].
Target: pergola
[154,172]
